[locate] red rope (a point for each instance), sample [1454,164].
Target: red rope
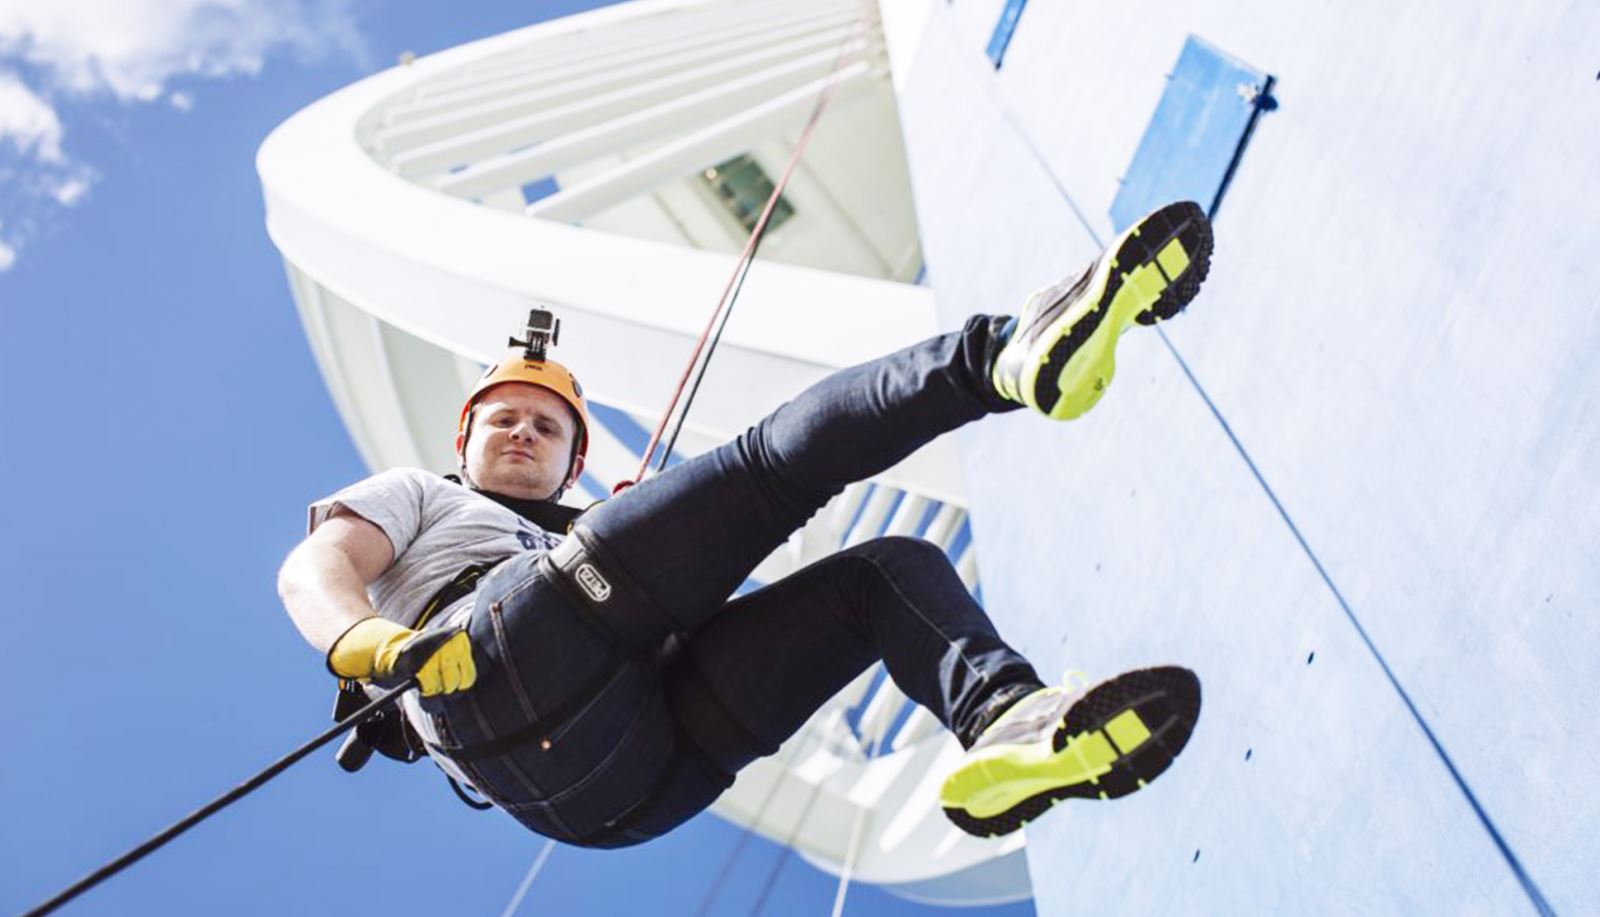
[724,303]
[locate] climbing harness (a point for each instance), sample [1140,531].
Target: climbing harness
[387,731]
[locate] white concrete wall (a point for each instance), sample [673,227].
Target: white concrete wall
[1400,330]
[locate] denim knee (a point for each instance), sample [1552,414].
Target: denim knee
[902,548]
[897,553]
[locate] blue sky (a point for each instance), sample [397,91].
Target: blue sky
[162,427]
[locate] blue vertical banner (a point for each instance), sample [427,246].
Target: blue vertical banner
[1199,130]
[1004,29]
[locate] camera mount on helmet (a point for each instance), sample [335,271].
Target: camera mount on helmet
[528,361]
[543,332]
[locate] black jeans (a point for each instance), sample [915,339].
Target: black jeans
[628,740]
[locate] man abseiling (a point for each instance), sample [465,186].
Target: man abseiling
[597,682]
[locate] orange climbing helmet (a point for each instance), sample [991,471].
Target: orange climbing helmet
[527,362]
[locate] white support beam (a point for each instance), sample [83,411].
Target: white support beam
[505,123]
[357,354]
[908,514]
[942,530]
[468,372]
[880,714]
[610,459]
[710,45]
[507,198]
[385,361]
[918,726]
[549,93]
[855,690]
[307,294]
[967,567]
[844,509]
[722,140]
[675,115]
[635,36]
[872,516]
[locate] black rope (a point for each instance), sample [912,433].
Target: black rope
[760,232]
[138,853]
[705,361]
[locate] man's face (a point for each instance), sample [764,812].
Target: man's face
[520,440]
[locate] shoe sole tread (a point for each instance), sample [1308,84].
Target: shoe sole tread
[1078,351]
[1167,697]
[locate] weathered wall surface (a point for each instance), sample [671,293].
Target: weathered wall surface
[1354,487]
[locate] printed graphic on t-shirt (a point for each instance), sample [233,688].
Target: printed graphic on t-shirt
[528,537]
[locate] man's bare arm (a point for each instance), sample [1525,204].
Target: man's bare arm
[323,583]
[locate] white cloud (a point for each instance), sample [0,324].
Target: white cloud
[70,190]
[8,255]
[130,50]
[27,122]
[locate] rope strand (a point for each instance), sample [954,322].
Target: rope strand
[871,753]
[527,880]
[694,389]
[853,851]
[211,808]
[749,829]
[724,308]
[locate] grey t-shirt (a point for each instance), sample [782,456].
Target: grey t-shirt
[438,528]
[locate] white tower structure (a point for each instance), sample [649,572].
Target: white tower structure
[610,166]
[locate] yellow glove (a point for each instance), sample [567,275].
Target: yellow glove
[383,652]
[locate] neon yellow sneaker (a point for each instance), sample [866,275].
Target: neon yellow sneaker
[1062,353]
[1058,743]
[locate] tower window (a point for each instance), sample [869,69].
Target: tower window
[743,187]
